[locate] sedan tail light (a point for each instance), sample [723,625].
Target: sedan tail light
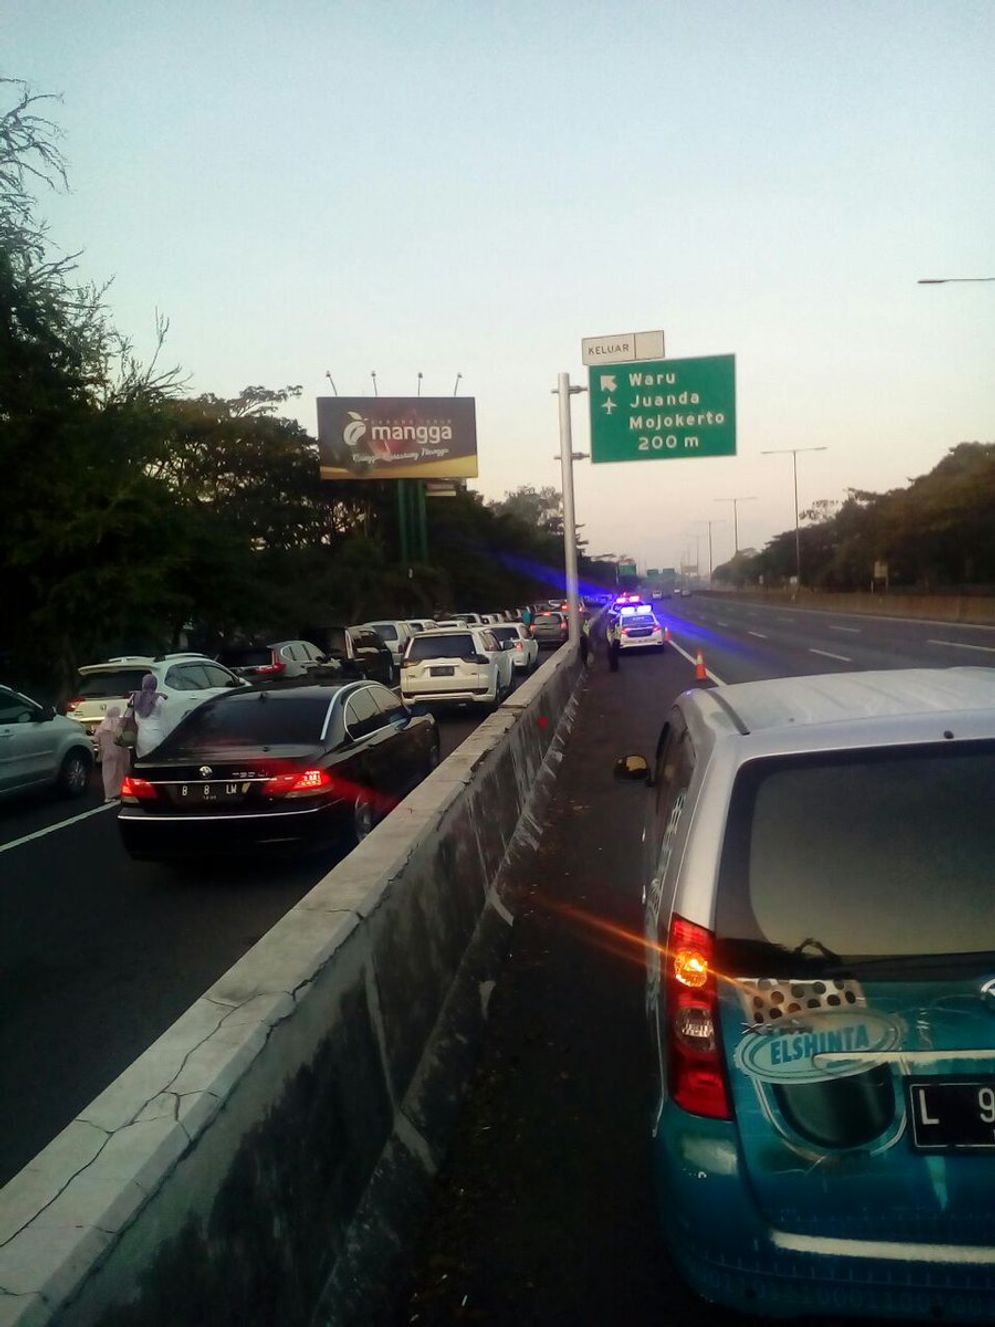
[137,790]
[299,783]
[697,1078]
[71,704]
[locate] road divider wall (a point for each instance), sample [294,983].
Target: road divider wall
[269,1158]
[974,610]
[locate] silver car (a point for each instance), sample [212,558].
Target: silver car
[820,948]
[39,748]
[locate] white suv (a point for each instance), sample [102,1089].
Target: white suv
[184,679]
[395,634]
[461,665]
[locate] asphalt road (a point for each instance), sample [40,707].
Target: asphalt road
[99,954]
[545,1213]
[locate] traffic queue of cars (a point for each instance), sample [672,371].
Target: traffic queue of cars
[244,762]
[821,991]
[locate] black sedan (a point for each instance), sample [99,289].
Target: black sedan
[252,770]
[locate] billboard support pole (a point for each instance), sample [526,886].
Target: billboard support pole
[402,520]
[564,391]
[419,486]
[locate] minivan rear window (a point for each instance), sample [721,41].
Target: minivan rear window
[119,682]
[457,646]
[873,853]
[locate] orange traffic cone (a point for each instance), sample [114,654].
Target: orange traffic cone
[666,635]
[700,671]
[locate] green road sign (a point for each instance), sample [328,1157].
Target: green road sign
[653,574]
[627,569]
[663,409]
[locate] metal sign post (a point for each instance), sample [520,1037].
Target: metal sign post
[564,391]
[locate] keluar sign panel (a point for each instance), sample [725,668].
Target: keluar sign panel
[397,437]
[651,410]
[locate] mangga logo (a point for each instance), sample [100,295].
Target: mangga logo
[797,1051]
[355,431]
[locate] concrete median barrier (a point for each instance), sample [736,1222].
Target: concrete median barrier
[269,1157]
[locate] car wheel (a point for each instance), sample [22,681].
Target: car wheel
[363,819]
[74,774]
[391,674]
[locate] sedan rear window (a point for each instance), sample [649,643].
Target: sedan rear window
[457,646]
[869,854]
[252,721]
[119,682]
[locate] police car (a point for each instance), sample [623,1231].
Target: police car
[637,628]
[820,942]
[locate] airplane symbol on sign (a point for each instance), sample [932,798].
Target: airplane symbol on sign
[608,382]
[609,406]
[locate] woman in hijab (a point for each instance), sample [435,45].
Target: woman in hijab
[114,759]
[147,706]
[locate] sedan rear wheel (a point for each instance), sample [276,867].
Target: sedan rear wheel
[362,818]
[74,774]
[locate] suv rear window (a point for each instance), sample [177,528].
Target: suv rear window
[249,722]
[505,633]
[247,656]
[120,682]
[457,646]
[552,619]
[872,854]
[385,631]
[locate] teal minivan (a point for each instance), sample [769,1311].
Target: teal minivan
[820,940]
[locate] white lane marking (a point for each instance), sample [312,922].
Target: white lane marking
[720,623]
[785,619]
[691,659]
[960,645]
[827,654]
[759,634]
[50,829]
[854,631]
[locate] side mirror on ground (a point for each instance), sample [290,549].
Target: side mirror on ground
[633,769]
[46,713]
[418,710]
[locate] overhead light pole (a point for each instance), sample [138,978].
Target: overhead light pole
[950,280]
[710,524]
[783,451]
[735,518]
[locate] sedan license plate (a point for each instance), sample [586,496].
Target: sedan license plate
[212,792]
[950,1114]
[442,672]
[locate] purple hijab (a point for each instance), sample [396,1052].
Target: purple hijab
[143,702]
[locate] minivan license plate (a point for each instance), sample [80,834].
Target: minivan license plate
[948,1114]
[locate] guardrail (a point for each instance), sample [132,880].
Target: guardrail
[268,1158]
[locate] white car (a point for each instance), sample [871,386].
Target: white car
[394,633]
[462,665]
[524,649]
[419,624]
[184,679]
[639,628]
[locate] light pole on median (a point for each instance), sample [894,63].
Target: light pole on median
[710,524]
[783,451]
[950,280]
[735,518]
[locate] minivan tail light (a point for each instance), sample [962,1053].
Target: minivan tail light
[137,790]
[696,1074]
[299,783]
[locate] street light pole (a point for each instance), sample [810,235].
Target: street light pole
[950,280]
[783,451]
[735,517]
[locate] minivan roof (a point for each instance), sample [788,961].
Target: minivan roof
[791,702]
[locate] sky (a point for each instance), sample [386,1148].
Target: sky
[462,187]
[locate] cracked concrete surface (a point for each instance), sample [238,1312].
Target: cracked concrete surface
[62,1215]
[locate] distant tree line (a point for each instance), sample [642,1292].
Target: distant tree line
[935,534]
[134,518]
